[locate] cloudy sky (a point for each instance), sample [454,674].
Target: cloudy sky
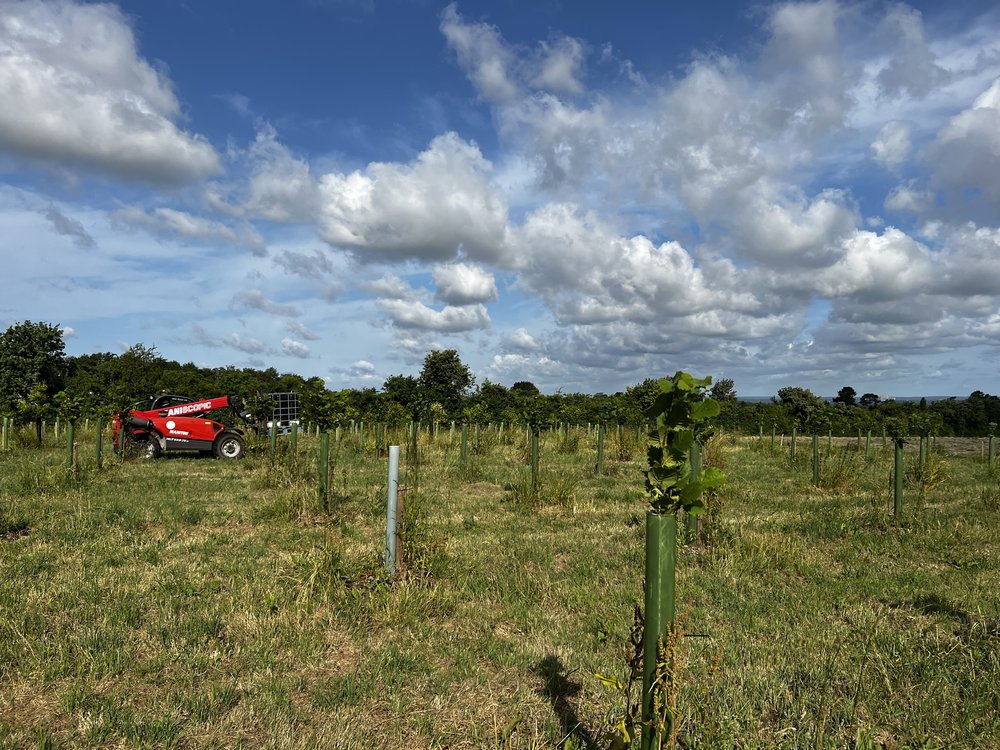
[577,194]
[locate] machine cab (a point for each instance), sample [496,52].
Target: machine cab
[166,400]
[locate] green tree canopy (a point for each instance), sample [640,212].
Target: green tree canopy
[801,404]
[31,354]
[870,400]
[723,390]
[846,395]
[32,370]
[525,387]
[446,380]
[403,390]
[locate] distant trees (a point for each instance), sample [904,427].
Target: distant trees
[37,380]
[801,404]
[525,388]
[403,390]
[723,389]
[846,395]
[643,395]
[32,370]
[136,373]
[446,380]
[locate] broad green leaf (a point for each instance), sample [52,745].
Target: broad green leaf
[683,441]
[676,415]
[660,404]
[689,493]
[666,385]
[705,410]
[712,477]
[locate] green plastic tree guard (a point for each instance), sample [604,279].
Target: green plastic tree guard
[324,470]
[815,459]
[70,429]
[534,459]
[692,520]
[661,562]
[897,480]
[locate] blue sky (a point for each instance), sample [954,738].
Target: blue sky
[577,194]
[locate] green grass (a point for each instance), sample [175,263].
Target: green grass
[196,603]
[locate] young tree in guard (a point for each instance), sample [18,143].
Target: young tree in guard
[682,417]
[897,429]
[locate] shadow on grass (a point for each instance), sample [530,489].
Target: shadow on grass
[934,604]
[559,689]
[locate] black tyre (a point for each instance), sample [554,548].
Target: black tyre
[152,448]
[228,445]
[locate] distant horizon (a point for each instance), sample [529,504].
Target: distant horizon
[930,399]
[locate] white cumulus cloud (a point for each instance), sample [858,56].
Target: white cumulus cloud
[521,340]
[416,315]
[892,145]
[464,284]
[294,348]
[482,53]
[429,209]
[966,153]
[74,88]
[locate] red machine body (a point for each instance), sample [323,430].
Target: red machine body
[169,423]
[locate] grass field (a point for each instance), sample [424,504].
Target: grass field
[197,603]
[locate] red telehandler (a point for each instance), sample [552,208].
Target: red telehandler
[169,423]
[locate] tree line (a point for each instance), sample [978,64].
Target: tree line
[38,381]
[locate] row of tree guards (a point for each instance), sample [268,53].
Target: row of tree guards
[72,446]
[925,444]
[359,428]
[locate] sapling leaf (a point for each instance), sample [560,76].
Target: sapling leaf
[677,414]
[712,477]
[660,404]
[689,493]
[666,385]
[705,410]
[682,415]
[682,444]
